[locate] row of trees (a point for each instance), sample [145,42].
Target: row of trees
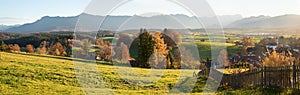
[56,49]
[160,50]
[149,49]
[157,50]
[10,47]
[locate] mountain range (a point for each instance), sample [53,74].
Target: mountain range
[4,27]
[87,22]
[283,21]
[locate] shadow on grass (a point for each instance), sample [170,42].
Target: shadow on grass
[66,58]
[259,91]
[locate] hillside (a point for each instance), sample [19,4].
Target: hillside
[41,74]
[33,74]
[284,21]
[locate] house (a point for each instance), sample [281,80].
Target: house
[251,59]
[271,47]
[133,62]
[237,43]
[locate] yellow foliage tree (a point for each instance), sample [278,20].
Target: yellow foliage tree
[278,59]
[160,50]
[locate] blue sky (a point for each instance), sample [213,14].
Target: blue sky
[23,11]
[26,11]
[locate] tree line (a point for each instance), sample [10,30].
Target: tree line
[56,49]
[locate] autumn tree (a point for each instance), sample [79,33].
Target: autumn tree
[171,38]
[244,51]
[175,54]
[57,49]
[17,48]
[105,53]
[122,53]
[247,41]
[14,48]
[105,50]
[145,48]
[42,49]
[160,51]
[223,58]
[177,37]
[29,48]
[278,59]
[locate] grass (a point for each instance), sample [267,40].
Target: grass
[259,91]
[204,48]
[31,74]
[39,74]
[22,74]
[231,71]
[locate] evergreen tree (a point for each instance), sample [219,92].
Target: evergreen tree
[146,44]
[3,47]
[69,47]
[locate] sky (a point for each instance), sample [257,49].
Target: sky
[27,11]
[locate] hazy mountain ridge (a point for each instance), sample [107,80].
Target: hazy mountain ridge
[46,24]
[284,21]
[4,27]
[86,22]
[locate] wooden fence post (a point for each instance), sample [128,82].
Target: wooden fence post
[294,75]
[264,76]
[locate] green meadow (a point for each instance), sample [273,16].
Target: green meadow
[33,74]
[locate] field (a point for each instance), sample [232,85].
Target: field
[204,48]
[33,74]
[27,74]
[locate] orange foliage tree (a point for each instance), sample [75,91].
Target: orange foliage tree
[29,48]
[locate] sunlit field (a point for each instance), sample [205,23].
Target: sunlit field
[27,74]
[33,74]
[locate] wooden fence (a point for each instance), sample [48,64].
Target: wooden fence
[283,77]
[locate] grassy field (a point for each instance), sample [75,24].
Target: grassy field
[26,74]
[204,48]
[33,74]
